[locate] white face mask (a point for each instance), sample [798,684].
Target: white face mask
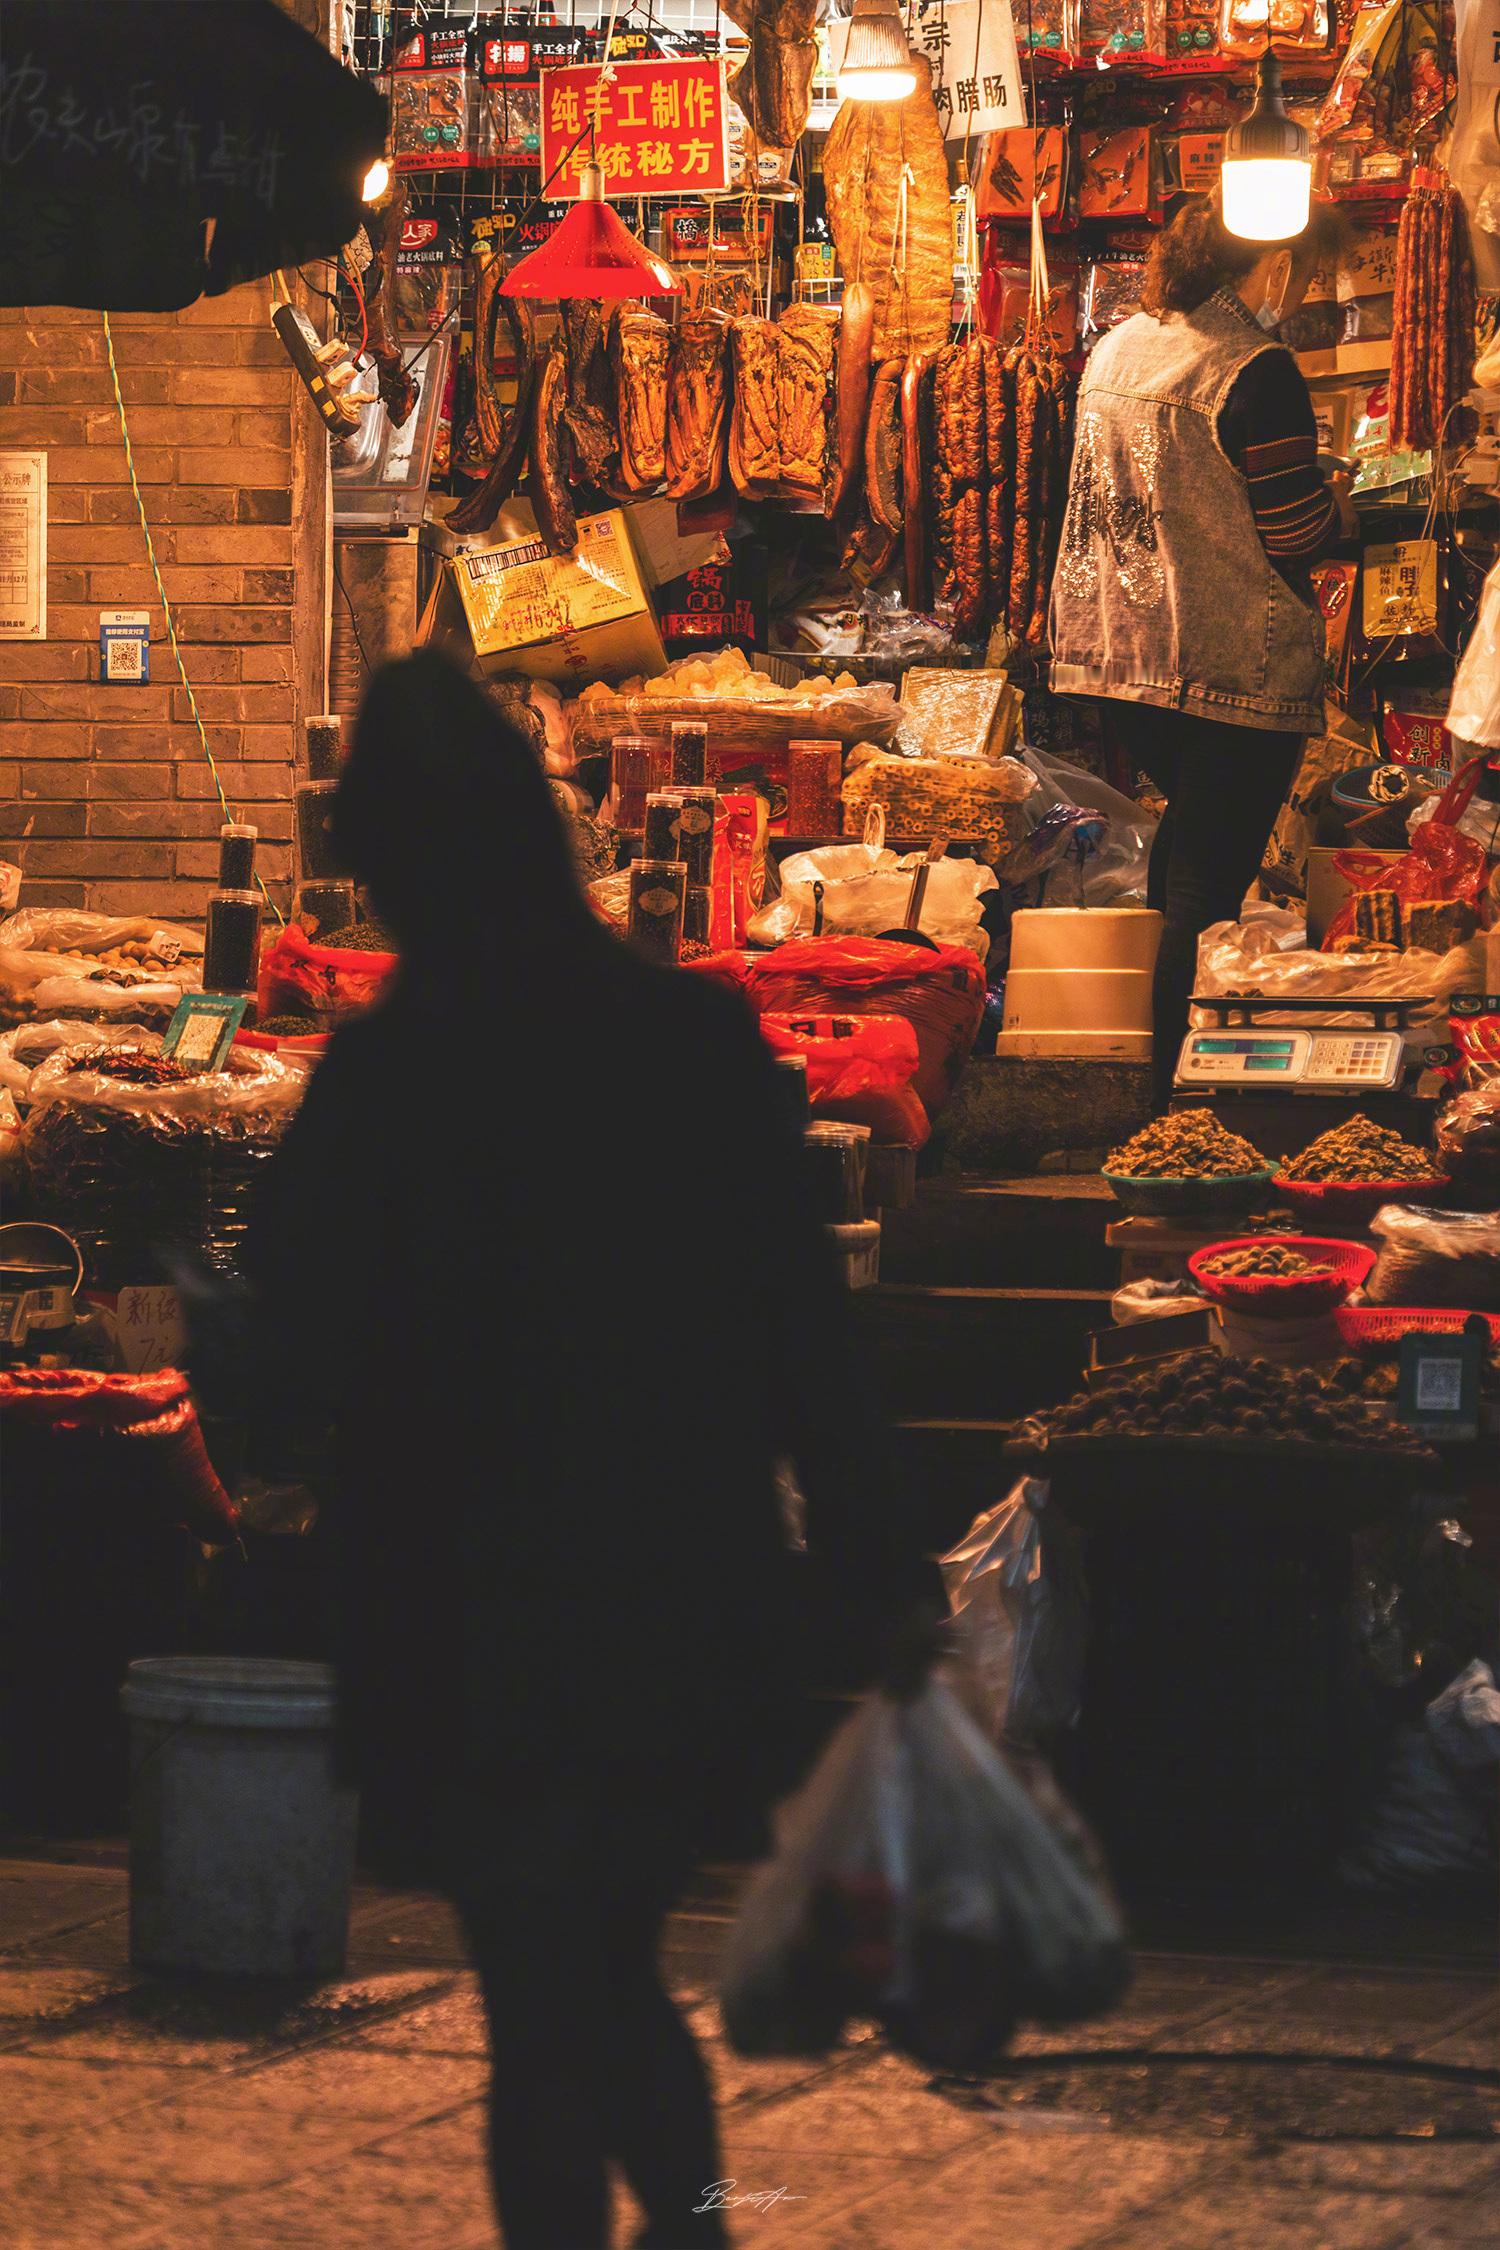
[1269,315]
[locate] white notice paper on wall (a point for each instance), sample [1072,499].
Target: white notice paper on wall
[23,546]
[976,70]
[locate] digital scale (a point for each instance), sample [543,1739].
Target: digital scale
[1251,1066]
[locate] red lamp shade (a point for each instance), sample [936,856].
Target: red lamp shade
[592,254]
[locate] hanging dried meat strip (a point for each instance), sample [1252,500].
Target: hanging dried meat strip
[1432,340]
[885,173]
[851,392]
[697,406]
[1000,469]
[511,316]
[884,447]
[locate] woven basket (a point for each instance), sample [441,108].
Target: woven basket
[1377,1329]
[1348,1206]
[1342,1267]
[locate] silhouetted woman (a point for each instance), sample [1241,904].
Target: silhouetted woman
[537,1248]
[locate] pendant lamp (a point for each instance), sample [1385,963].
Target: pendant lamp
[1266,183]
[592,254]
[877,64]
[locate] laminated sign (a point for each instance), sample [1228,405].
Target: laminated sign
[976,72]
[23,546]
[1401,589]
[659,128]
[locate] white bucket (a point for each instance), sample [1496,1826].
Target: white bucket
[241,1838]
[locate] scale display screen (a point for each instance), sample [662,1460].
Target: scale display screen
[1260,1050]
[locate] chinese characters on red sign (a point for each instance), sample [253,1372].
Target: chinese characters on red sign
[659,128]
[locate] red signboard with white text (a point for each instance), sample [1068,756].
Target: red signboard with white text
[659,128]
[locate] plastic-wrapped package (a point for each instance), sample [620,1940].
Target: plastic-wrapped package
[940,990]
[1249,957]
[62,961]
[1444,867]
[1436,1258]
[970,797]
[1297,27]
[917,1881]
[852,889]
[1436,1819]
[1473,158]
[1468,1134]
[432,101]
[30,1044]
[143,1174]
[859,1071]
[1474,706]
[297,976]
[1076,816]
[1122,31]
[1019,1603]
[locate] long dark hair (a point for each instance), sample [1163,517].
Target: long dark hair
[444,812]
[1197,254]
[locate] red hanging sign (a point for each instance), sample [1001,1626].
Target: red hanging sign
[660,128]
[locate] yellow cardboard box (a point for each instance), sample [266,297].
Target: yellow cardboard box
[581,617]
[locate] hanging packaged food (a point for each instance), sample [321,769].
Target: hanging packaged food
[432,101]
[1295,27]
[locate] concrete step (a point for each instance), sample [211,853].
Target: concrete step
[953,1354]
[1001,1233]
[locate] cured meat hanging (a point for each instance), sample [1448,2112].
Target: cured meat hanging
[773,86]
[505,430]
[638,356]
[697,406]
[1432,320]
[885,174]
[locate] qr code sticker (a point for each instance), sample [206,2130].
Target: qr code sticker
[125,660]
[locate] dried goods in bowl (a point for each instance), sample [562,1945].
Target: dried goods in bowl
[1332,1271]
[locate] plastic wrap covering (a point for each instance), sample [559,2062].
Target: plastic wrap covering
[967,797]
[1020,1612]
[1244,959]
[324,981]
[859,1071]
[30,1044]
[1073,817]
[1474,706]
[851,888]
[1468,1135]
[941,992]
[917,1881]
[58,961]
[1434,1258]
[112,1414]
[143,1176]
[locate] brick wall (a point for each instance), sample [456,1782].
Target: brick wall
[107,799]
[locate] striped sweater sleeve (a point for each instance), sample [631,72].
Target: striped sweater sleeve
[1266,427]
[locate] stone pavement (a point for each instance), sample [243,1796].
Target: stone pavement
[1322,2100]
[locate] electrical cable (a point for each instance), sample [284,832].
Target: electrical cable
[182,671]
[353,613]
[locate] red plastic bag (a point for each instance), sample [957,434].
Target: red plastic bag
[1443,866]
[940,990]
[859,1070]
[105,1413]
[331,980]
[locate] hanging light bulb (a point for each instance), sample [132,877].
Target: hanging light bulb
[592,254]
[377,180]
[1266,183]
[877,64]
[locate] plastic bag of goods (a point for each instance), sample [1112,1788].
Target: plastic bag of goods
[917,1883]
[1075,815]
[1436,1258]
[298,978]
[978,798]
[147,1165]
[856,890]
[1432,896]
[941,991]
[1468,1136]
[859,1071]
[116,1414]
[61,961]
[1238,959]
[1019,1604]
[1436,1820]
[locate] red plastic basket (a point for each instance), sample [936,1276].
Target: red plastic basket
[1350,1205]
[1342,1267]
[1378,1328]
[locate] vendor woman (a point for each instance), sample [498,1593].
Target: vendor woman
[1181,594]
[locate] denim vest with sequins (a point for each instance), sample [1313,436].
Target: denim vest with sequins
[1163,592]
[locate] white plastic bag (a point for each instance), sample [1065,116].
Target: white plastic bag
[867,892]
[1252,958]
[1112,850]
[917,1882]
[1436,1819]
[1473,154]
[1442,1258]
[1020,1612]
[1474,706]
[51,964]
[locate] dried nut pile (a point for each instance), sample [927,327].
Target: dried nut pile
[287,1027]
[1264,1261]
[1360,1151]
[1205,1394]
[1188,1145]
[360,937]
[134,1066]
[134,954]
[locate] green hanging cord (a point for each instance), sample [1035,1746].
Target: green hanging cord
[140,507]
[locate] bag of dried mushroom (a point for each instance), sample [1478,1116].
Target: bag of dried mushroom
[64,962]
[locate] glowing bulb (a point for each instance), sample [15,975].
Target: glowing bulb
[876,85]
[377,180]
[1266,198]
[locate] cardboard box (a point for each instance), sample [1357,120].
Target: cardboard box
[582,617]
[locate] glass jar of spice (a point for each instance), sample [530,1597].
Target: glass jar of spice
[657,891]
[815,773]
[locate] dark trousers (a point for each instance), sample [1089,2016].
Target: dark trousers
[1224,787]
[593,2065]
